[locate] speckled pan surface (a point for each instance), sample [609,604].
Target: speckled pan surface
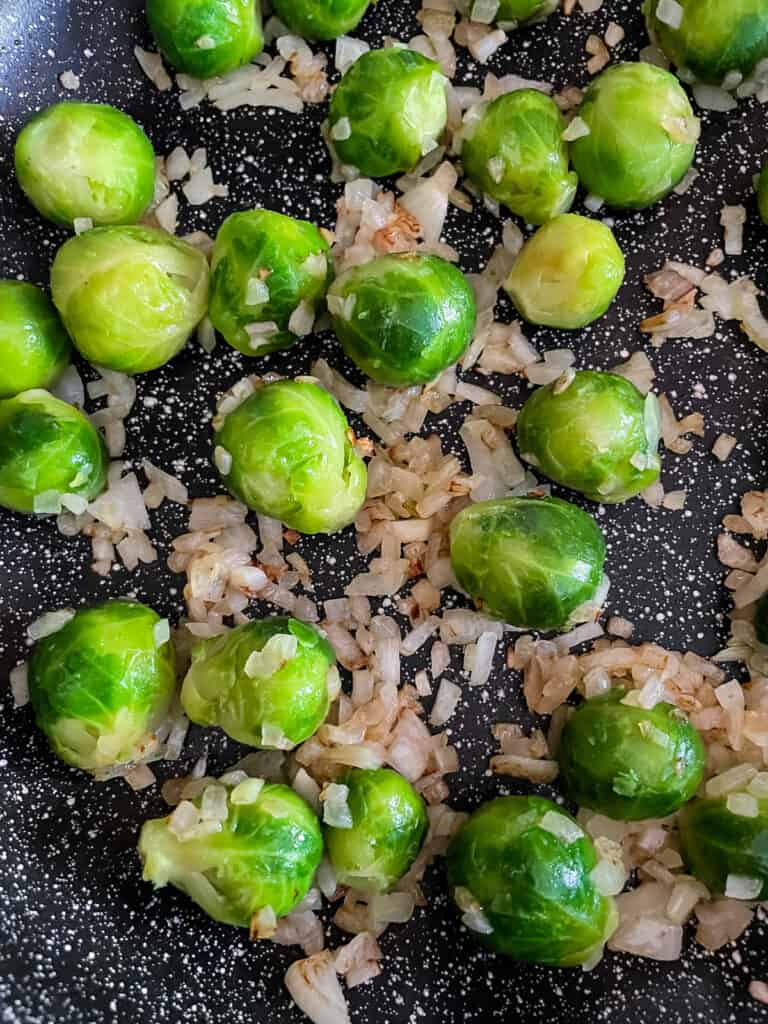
[82,939]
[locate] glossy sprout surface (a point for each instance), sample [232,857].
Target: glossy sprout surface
[716,843]
[205,38]
[321,19]
[35,347]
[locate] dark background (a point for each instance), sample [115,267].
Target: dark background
[82,939]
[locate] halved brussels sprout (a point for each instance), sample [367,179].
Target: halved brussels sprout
[629,762]
[523,12]
[513,150]
[389,821]
[236,851]
[265,265]
[85,160]
[388,111]
[597,435]
[719,846]
[34,345]
[205,38]
[321,19]
[264,683]
[642,135]
[289,455]
[567,274]
[520,868]
[129,296]
[48,449]
[403,318]
[762,194]
[531,562]
[102,684]
[714,39]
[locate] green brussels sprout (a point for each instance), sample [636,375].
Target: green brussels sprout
[33,342]
[389,821]
[520,869]
[567,274]
[718,845]
[288,454]
[80,160]
[514,151]
[761,619]
[206,38]
[524,12]
[265,683]
[629,762]
[534,563]
[48,448]
[714,39]
[387,112]
[642,135]
[245,849]
[264,266]
[762,194]
[101,685]
[403,318]
[321,19]
[598,435]
[129,296]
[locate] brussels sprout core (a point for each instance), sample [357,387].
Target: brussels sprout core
[34,345]
[102,684]
[403,318]
[321,19]
[726,850]
[599,436]
[520,869]
[205,38]
[535,563]
[78,160]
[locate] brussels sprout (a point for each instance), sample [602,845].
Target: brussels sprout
[78,160]
[288,454]
[513,151]
[129,296]
[264,266]
[246,848]
[523,12]
[387,112]
[762,194]
[531,562]
[629,762]
[205,38]
[642,135]
[714,39]
[717,844]
[389,822]
[321,19]
[48,448]
[403,318]
[265,683]
[598,435]
[761,619]
[102,684]
[520,869]
[33,342]
[567,274]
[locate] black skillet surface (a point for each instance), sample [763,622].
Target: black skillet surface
[83,940]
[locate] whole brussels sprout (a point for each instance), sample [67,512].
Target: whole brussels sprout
[48,448]
[129,296]
[100,686]
[598,435]
[265,683]
[389,821]
[264,266]
[762,194]
[642,135]
[247,848]
[715,843]
[531,562]
[629,762]
[34,345]
[78,160]
[321,19]
[520,869]
[290,456]
[567,274]
[513,151]
[387,112]
[524,12]
[205,38]
[403,318]
[713,40]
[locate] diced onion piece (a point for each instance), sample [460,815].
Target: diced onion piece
[742,804]
[161,632]
[277,651]
[314,987]
[49,623]
[577,129]
[561,826]
[246,792]
[741,887]
[336,810]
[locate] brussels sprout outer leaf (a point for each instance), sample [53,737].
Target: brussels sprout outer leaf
[34,344]
[716,843]
[321,19]
[206,38]
[525,11]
